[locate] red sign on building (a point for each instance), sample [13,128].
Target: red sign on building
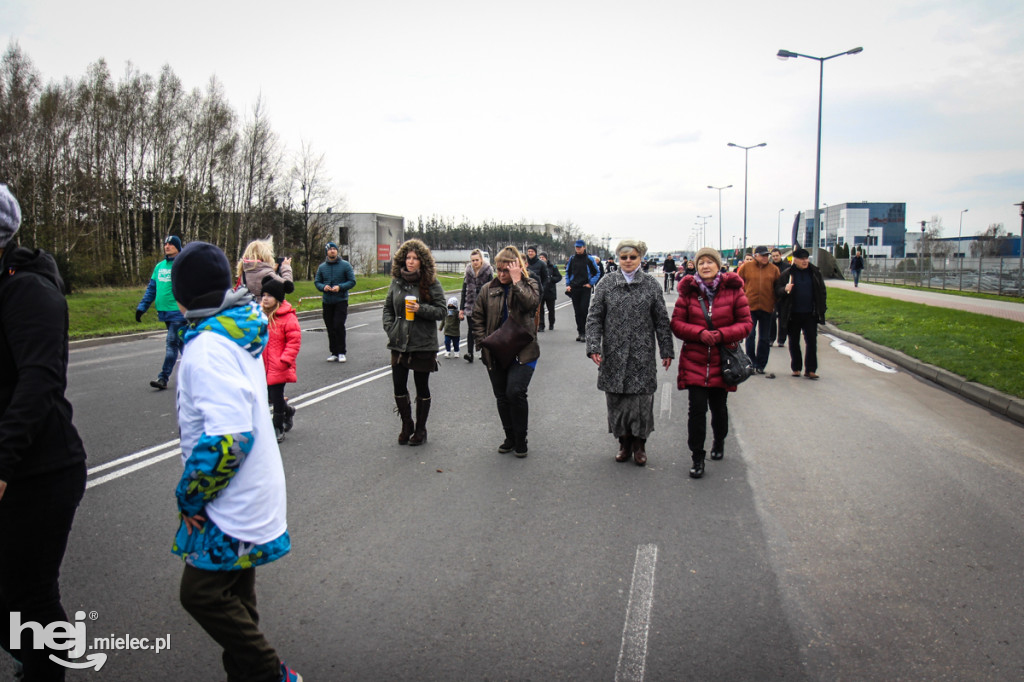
[383,252]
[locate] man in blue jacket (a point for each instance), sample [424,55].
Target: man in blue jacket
[334,278]
[581,275]
[159,291]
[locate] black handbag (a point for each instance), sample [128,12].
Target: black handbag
[736,365]
[505,342]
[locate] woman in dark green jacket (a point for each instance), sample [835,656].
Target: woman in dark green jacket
[414,306]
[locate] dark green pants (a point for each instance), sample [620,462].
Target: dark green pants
[224,604]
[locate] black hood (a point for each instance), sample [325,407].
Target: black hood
[20,259]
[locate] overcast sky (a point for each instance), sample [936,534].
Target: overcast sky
[614,115]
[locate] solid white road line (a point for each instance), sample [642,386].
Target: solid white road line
[128,458]
[135,467]
[633,654]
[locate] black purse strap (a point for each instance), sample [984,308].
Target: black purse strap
[707,315]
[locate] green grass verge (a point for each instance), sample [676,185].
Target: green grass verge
[109,311]
[984,349]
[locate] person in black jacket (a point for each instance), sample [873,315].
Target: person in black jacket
[581,274]
[42,459]
[778,330]
[539,271]
[549,295]
[803,294]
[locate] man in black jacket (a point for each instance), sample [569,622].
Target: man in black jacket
[778,330]
[538,270]
[549,295]
[42,460]
[581,274]
[803,295]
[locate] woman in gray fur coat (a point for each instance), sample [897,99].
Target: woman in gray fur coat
[627,315]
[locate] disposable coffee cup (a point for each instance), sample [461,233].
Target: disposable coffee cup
[409,314]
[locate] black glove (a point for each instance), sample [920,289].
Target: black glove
[138,315]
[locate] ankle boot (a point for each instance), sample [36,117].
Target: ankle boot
[289,417]
[508,443]
[625,449]
[697,470]
[639,451]
[521,449]
[278,421]
[717,449]
[404,411]
[419,436]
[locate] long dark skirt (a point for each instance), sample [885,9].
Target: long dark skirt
[630,413]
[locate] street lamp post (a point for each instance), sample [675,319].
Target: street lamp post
[784,55]
[703,228]
[959,246]
[1020,253]
[719,212]
[746,153]
[778,228]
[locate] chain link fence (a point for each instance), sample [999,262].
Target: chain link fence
[992,275]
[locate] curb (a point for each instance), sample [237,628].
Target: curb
[989,398]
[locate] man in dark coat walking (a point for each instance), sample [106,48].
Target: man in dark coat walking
[581,274]
[803,295]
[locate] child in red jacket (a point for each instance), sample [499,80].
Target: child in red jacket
[282,351]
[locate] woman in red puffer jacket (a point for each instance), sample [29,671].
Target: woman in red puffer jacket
[282,350]
[700,367]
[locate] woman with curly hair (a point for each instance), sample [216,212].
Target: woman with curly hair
[414,305]
[514,295]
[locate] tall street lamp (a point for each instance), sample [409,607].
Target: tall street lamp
[778,228]
[784,55]
[959,247]
[703,228]
[746,153]
[719,212]
[1020,253]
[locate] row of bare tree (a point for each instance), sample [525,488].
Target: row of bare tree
[105,168]
[445,233]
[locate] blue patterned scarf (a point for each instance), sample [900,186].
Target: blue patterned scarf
[243,324]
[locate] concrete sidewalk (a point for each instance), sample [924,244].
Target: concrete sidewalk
[1010,310]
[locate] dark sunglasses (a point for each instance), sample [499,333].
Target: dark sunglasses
[629,257]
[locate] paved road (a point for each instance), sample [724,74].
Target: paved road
[864,526]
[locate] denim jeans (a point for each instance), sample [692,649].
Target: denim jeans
[510,387]
[174,346]
[762,329]
[35,520]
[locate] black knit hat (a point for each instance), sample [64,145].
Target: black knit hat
[200,276]
[276,288]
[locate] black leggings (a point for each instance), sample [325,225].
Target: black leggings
[275,393]
[400,378]
[700,399]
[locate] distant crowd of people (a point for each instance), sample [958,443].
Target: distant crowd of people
[239,340]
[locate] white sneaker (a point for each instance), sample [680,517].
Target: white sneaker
[333,358]
[342,358]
